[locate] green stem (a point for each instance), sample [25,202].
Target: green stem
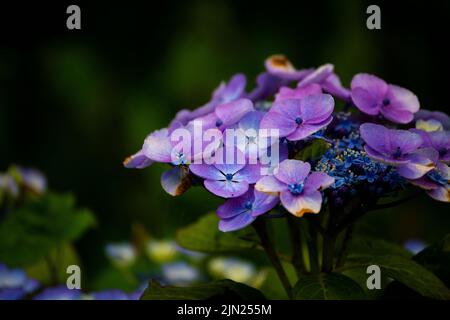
[261,229]
[294,233]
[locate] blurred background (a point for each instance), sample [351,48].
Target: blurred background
[75,103]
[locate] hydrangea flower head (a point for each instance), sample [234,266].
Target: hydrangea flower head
[295,108]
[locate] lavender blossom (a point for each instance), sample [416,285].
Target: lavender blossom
[239,212]
[374,96]
[297,119]
[297,186]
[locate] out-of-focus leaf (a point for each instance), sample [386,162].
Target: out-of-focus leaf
[313,151]
[204,236]
[32,231]
[327,286]
[272,286]
[405,271]
[54,266]
[217,290]
[362,245]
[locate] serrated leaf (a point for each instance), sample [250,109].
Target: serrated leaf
[220,290]
[204,236]
[29,233]
[404,270]
[327,286]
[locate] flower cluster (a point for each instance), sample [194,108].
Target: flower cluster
[287,112]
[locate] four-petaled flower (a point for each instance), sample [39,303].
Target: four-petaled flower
[297,119]
[299,188]
[228,180]
[374,96]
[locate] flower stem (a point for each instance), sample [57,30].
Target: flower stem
[261,229]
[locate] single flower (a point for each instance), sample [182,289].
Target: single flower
[374,96]
[237,213]
[297,119]
[227,178]
[299,188]
[399,148]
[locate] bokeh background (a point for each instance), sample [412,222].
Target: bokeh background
[74,104]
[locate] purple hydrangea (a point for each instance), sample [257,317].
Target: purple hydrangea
[299,188]
[237,213]
[401,148]
[297,119]
[374,96]
[295,108]
[228,180]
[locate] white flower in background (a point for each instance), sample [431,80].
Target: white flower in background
[121,254]
[33,179]
[161,251]
[180,273]
[232,268]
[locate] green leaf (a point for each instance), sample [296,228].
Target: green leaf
[272,286]
[204,236]
[313,150]
[404,270]
[363,245]
[32,231]
[327,286]
[57,261]
[222,289]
